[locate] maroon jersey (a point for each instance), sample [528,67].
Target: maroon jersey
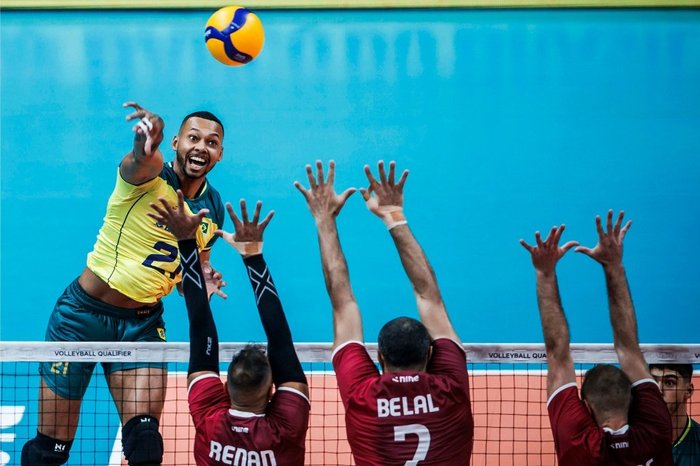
[406,418]
[644,441]
[227,436]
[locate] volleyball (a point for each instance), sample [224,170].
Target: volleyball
[234,35]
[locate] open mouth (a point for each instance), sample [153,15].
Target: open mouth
[197,161]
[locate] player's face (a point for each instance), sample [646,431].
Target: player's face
[198,147]
[674,388]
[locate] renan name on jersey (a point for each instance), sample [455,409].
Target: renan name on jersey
[405,406]
[236,456]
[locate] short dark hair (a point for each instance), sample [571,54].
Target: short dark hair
[684,370]
[204,115]
[607,389]
[404,343]
[249,370]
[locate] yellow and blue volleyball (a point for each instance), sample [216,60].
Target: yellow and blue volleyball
[234,35]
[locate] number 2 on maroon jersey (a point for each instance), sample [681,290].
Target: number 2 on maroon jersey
[423,434]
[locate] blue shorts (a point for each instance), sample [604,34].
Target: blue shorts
[80,317]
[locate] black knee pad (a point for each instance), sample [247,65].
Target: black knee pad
[43,450]
[142,443]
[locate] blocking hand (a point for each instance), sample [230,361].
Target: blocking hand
[248,234]
[321,197]
[608,251]
[547,253]
[180,223]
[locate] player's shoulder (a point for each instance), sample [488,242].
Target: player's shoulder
[695,429]
[168,174]
[292,394]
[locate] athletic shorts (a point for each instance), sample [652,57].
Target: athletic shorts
[79,317]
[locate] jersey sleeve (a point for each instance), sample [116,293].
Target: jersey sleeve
[289,411]
[576,435]
[449,359]
[206,395]
[126,190]
[218,217]
[352,365]
[648,411]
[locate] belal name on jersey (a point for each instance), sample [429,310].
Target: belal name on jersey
[405,406]
[236,456]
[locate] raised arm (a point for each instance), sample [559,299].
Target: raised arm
[145,161]
[248,240]
[545,255]
[204,340]
[325,205]
[384,198]
[608,252]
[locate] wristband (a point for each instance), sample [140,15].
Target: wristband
[392,216]
[248,248]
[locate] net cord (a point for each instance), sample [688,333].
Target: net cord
[95,351]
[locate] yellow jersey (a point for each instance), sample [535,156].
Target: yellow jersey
[136,255]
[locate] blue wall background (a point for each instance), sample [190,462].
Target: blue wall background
[509,120]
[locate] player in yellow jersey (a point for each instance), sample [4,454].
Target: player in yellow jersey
[134,263]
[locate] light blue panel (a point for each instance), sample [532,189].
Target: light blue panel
[510,121]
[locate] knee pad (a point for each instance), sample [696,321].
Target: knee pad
[43,450]
[142,443]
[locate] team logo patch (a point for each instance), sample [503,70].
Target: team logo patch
[161,333]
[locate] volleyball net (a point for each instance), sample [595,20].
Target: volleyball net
[507,384]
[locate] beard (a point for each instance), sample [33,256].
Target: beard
[190,169]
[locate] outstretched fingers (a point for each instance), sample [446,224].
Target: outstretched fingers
[266,220]
[319,172]
[565,248]
[256,213]
[599,226]
[609,222]
[625,229]
[552,237]
[382,172]
[310,176]
[137,113]
[244,211]
[304,192]
[402,180]
[558,231]
[372,180]
[161,209]
[331,172]
[538,239]
[234,218]
[392,173]
[366,193]
[201,214]
[345,195]
[527,246]
[180,201]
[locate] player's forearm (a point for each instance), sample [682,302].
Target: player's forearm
[554,325]
[335,267]
[622,315]
[416,265]
[204,341]
[280,347]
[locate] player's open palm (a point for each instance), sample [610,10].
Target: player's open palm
[608,251]
[245,229]
[180,223]
[385,193]
[545,254]
[321,196]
